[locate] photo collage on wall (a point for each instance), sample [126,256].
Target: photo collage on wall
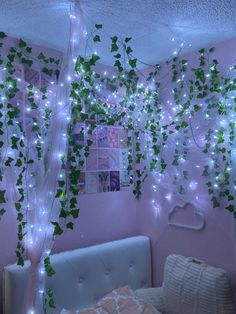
[105,168]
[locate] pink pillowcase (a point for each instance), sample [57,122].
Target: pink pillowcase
[119,301]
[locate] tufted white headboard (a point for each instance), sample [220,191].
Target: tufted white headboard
[84,275]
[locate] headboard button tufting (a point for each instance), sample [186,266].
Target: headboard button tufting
[96,270]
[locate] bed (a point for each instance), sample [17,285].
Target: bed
[87,273]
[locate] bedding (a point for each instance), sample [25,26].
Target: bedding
[119,301]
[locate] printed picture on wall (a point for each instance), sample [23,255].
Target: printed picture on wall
[105,167]
[124,179]
[79,134]
[114,162]
[104,181]
[92,182]
[82,187]
[123,137]
[123,158]
[92,160]
[103,159]
[113,137]
[108,159]
[92,137]
[114,181]
[102,139]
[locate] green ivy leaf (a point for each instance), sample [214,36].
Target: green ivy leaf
[2,196]
[20,261]
[57,229]
[29,49]
[114,47]
[2,35]
[48,267]
[163,164]
[61,183]
[41,56]
[215,202]
[220,137]
[20,217]
[230,208]
[63,213]
[18,163]
[202,50]
[117,56]
[127,39]
[96,38]
[22,43]
[2,211]
[50,293]
[98,26]
[59,193]
[197,108]
[132,63]
[128,50]
[184,125]
[70,225]
[27,61]
[114,39]
[153,165]
[17,206]
[51,304]
[8,161]
[47,71]
[222,109]
[74,213]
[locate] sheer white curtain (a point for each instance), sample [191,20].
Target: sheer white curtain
[42,207]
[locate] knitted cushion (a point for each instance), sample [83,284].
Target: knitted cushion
[151,295]
[192,286]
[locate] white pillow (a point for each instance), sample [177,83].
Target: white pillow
[192,286]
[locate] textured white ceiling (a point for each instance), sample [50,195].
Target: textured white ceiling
[151,23]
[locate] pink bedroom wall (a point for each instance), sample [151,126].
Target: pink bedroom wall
[216,243]
[103,217]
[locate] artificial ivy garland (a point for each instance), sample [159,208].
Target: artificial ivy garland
[128,99]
